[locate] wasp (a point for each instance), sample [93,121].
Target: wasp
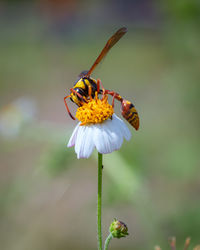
[86,86]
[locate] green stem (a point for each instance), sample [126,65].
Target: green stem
[108,239]
[100,167]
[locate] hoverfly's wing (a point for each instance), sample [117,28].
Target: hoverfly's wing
[110,43]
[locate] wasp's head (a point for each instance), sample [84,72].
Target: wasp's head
[77,96]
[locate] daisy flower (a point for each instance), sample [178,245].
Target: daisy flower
[98,128]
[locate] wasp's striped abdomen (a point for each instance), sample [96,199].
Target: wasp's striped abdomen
[130,113]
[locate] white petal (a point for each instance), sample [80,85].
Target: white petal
[117,135]
[101,139]
[107,137]
[73,137]
[84,143]
[123,128]
[79,140]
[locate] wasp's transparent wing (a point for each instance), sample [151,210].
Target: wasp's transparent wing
[110,43]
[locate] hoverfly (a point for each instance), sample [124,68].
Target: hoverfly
[86,86]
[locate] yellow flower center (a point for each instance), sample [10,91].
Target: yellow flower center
[94,111]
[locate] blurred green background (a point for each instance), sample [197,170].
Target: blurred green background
[47,196]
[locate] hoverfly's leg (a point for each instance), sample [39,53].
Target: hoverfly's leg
[80,96]
[67,107]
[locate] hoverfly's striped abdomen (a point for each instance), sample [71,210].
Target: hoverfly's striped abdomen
[130,113]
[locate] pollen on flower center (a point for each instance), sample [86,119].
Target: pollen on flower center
[94,111]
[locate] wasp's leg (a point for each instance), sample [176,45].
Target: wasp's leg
[68,108]
[80,96]
[100,91]
[90,92]
[113,100]
[115,95]
[99,84]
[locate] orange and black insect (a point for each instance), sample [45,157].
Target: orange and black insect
[86,86]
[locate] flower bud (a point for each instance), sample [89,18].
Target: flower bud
[118,229]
